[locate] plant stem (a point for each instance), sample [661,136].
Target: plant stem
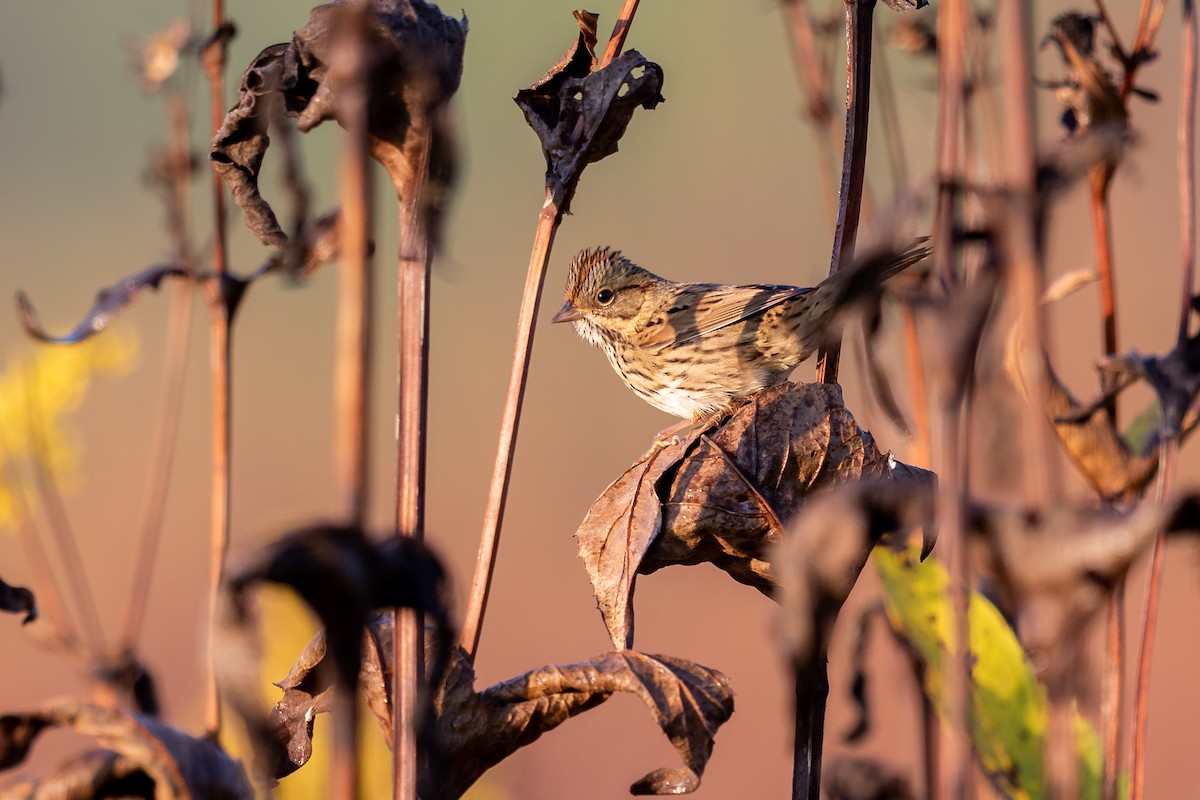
[549,219]
[1112,698]
[814,81]
[220,315]
[548,222]
[1141,703]
[812,692]
[166,429]
[859,23]
[1100,178]
[1169,449]
[409,641]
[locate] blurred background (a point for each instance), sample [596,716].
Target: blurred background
[717,184]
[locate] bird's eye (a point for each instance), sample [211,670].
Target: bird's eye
[605,296]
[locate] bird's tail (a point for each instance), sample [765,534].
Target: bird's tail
[864,277]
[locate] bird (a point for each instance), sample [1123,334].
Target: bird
[694,350]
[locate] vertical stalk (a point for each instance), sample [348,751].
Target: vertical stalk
[1112,690]
[548,222]
[220,315]
[1169,448]
[812,691]
[352,347]
[549,219]
[859,22]
[408,643]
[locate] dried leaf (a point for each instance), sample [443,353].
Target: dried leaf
[689,703]
[580,115]
[827,546]
[342,576]
[180,766]
[727,499]
[905,5]
[415,62]
[95,773]
[1088,95]
[1058,566]
[307,692]
[18,600]
[109,302]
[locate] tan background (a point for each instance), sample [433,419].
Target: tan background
[717,184]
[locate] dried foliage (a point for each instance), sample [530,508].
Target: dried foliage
[724,496]
[412,45]
[865,779]
[342,576]
[1059,565]
[18,600]
[319,245]
[579,114]
[178,766]
[477,730]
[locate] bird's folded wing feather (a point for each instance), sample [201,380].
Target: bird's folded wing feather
[711,307]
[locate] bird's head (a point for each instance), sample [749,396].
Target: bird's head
[606,295]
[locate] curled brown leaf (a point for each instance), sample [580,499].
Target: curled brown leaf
[415,64]
[725,497]
[580,115]
[179,765]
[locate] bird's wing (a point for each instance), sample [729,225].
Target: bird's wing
[710,307]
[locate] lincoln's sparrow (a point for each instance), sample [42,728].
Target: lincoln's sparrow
[691,349]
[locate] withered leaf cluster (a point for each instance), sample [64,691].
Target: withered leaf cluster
[476,730]
[725,496]
[579,113]
[146,758]
[414,64]
[343,576]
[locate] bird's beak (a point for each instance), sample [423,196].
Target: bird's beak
[568,313]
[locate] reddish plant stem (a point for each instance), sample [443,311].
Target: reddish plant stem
[220,315]
[1169,450]
[954,747]
[1100,179]
[859,23]
[92,634]
[548,222]
[814,82]
[408,645]
[1112,690]
[549,219]
[50,595]
[1141,703]
[166,429]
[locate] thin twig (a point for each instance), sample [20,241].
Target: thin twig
[1168,451]
[60,527]
[616,41]
[859,23]
[166,428]
[1112,690]
[220,349]
[1141,703]
[549,218]
[815,82]
[1100,179]
[50,595]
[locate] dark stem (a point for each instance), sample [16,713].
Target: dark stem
[859,19]
[812,692]
[1187,165]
